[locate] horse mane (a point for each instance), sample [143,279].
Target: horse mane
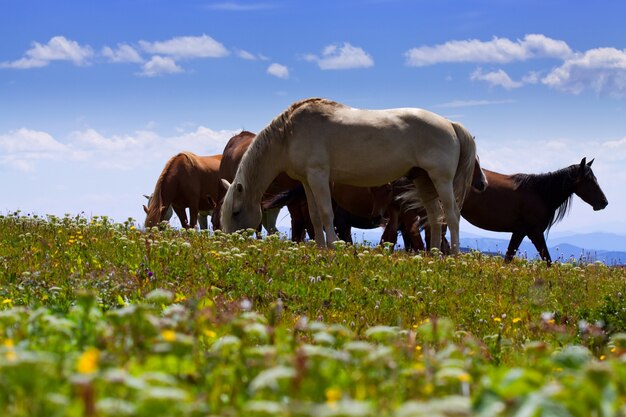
[154,210]
[546,184]
[278,130]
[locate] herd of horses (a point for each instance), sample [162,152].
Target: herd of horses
[335,167]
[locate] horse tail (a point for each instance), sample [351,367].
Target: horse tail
[156,205]
[467,158]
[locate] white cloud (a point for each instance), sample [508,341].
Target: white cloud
[498,50]
[159,65]
[497,78]
[21,149]
[342,57]
[58,48]
[187,47]
[122,54]
[602,70]
[278,70]
[246,55]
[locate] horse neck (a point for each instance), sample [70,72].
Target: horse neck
[556,189]
[559,187]
[260,165]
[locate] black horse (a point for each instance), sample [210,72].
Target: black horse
[530,204]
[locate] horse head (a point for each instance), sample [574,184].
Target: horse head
[238,212]
[479,180]
[587,188]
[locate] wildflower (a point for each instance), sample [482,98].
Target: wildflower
[7,301]
[10,354]
[497,319]
[516,320]
[209,333]
[464,377]
[179,298]
[88,361]
[602,357]
[333,395]
[168,335]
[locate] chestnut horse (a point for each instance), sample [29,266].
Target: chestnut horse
[203,215]
[530,204]
[231,157]
[318,142]
[187,180]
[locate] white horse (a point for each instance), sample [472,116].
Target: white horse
[318,141]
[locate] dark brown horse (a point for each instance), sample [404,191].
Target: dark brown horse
[187,180]
[361,207]
[530,204]
[231,157]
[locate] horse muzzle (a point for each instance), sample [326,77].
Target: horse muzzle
[600,206]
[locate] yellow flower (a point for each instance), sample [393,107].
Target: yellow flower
[465,377]
[209,333]
[497,319]
[7,301]
[517,320]
[132,228]
[88,361]
[168,335]
[602,357]
[333,395]
[180,297]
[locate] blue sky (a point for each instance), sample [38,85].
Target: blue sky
[96,96]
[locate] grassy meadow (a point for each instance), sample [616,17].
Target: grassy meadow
[102,319]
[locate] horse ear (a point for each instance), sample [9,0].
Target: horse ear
[225,184]
[145,209]
[147,197]
[590,162]
[583,162]
[239,187]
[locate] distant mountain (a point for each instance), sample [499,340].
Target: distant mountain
[562,251]
[599,241]
[589,247]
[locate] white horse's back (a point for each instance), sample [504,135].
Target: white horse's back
[371,147]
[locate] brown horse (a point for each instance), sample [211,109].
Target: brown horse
[187,180]
[530,204]
[231,157]
[361,207]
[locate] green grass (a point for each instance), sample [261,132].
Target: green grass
[99,318]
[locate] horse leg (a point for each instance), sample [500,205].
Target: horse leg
[428,195]
[182,216]
[390,234]
[320,191]
[269,220]
[433,214]
[452,214]
[298,228]
[318,228]
[203,221]
[342,224]
[516,240]
[193,215]
[540,244]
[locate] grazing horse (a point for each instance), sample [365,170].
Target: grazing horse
[318,141]
[187,180]
[364,208]
[530,204]
[231,158]
[203,215]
